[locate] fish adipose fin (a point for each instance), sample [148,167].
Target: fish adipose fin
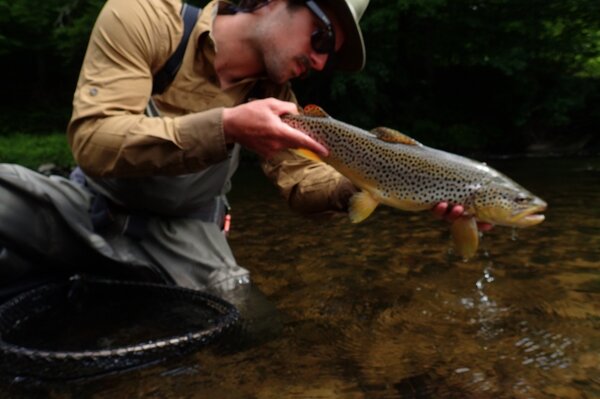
[465,236]
[393,136]
[308,154]
[315,110]
[362,204]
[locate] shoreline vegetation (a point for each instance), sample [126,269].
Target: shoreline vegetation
[50,152]
[477,78]
[33,150]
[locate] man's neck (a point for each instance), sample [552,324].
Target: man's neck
[236,57]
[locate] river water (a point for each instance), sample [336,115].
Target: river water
[384,309]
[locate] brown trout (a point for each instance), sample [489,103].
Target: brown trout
[393,169]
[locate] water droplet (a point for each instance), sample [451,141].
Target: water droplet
[522,341]
[532,348]
[467,303]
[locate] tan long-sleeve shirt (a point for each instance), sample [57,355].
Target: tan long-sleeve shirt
[111,137]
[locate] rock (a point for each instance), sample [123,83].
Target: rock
[52,169]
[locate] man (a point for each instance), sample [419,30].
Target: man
[149,199]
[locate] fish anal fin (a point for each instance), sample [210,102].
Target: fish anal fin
[393,136]
[465,236]
[362,204]
[308,154]
[315,111]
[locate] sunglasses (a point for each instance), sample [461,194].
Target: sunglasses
[322,40]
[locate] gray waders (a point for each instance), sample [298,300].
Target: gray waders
[161,229]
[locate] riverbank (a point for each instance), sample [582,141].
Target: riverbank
[33,150]
[51,151]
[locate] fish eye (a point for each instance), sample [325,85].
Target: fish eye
[521,199]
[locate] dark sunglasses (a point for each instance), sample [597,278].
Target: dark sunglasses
[323,39]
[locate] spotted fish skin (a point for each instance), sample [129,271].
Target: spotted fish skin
[414,175]
[396,170]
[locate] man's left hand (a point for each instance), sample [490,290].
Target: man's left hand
[450,213]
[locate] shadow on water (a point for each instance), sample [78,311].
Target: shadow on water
[385,310]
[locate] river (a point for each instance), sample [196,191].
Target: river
[384,309]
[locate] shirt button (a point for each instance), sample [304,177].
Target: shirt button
[93,91]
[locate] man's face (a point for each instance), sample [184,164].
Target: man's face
[286,42]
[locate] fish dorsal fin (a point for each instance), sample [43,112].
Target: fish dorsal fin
[393,136]
[315,111]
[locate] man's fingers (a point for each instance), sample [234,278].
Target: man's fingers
[455,213]
[450,213]
[440,210]
[314,146]
[444,210]
[282,107]
[299,139]
[481,226]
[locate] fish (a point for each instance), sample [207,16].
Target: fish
[393,169]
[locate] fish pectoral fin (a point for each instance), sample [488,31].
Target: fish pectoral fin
[315,110]
[362,204]
[308,154]
[393,136]
[465,236]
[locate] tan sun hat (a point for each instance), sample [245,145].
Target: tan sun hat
[351,56]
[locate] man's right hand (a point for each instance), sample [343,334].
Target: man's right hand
[257,125]
[450,213]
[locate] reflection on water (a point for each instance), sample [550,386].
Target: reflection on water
[385,310]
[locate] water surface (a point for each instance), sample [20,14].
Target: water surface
[384,309]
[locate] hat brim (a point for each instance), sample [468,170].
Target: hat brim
[351,57]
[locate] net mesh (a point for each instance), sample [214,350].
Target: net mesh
[88,326]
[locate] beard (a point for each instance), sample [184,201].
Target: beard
[280,70]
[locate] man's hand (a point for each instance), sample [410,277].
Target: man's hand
[450,213]
[257,125]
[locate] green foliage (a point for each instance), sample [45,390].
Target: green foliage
[34,150]
[47,25]
[72,28]
[43,43]
[494,75]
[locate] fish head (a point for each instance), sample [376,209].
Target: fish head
[505,203]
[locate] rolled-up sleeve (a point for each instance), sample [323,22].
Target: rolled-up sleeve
[309,187]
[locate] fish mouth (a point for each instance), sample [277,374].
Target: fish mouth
[530,217]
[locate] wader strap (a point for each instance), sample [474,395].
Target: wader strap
[151,109]
[163,78]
